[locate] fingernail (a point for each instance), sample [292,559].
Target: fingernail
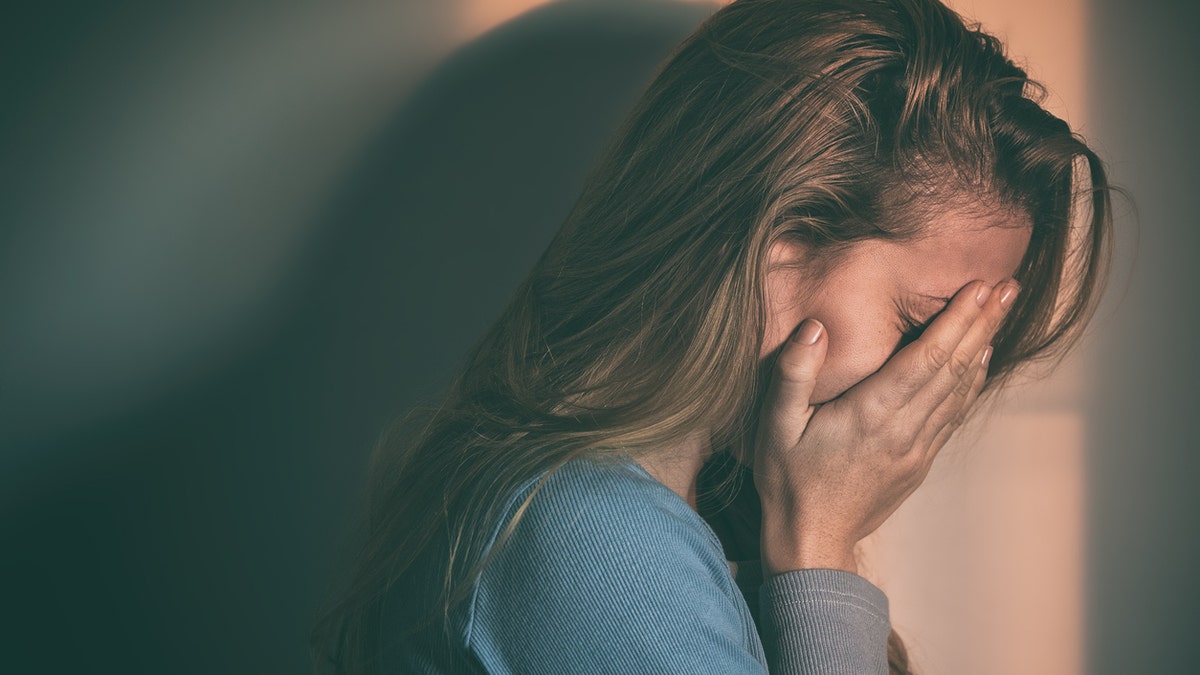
[808,333]
[987,356]
[1011,288]
[981,295]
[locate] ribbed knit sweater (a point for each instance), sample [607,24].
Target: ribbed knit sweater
[609,571]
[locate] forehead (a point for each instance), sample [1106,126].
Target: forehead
[956,248]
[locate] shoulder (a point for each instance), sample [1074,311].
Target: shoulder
[593,517]
[609,500]
[606,559]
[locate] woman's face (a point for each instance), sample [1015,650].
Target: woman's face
[868,299]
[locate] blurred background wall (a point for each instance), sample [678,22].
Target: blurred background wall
[237,238]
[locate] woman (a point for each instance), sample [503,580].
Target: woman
[827,227]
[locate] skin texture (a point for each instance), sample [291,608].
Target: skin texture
[829,475]
[863,301]
[853,420]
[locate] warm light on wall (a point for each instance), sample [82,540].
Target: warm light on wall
[479,16]
[476,17]
[984,565]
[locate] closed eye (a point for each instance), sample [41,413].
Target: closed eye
[910,331]
[911,328]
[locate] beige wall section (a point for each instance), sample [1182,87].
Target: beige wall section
[983,565]
[476,17]
[1048,36]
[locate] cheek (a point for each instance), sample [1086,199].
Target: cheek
[857,348]
[858,316]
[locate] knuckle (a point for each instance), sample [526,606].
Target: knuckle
[867,423]
[937,356]
[874,418]
[910,464]
[964,386]
[897,435]
[893,440]
[961,365]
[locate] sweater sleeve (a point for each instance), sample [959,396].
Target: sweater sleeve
[608,571]
[824,621]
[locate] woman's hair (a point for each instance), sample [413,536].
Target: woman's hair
[824,121]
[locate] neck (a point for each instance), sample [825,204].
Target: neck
[678,466]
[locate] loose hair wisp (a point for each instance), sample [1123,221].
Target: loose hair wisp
[827,121]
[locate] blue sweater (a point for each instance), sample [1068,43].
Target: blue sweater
[609,571]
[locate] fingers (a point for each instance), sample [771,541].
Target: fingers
[918,364]
[786,408]
[953,411]
[961,366]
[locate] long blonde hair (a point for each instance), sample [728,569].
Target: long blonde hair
[829,121]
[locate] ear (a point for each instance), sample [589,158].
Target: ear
[786,289]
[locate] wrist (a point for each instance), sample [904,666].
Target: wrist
[844,561]
[786,552]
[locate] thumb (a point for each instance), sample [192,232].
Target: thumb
[787,406]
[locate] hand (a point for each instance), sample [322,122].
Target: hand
[829,475]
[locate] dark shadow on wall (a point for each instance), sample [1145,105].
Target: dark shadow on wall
[1143,590]
[201,536]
